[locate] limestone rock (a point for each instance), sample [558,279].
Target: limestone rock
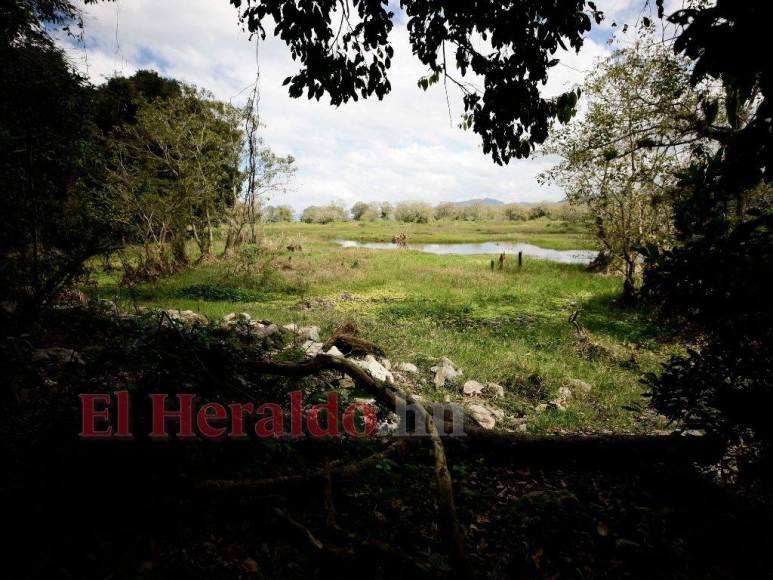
[312,348]
[495,389]
[407,367]
[579,387]
[186,316]
[333,351]
[310,333]
[56,354]
[484,416]
[445,372]
[472,388]
[375,369]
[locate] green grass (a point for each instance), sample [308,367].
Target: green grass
[505,326]
[553,234]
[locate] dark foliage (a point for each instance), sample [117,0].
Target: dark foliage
[348,60]
[718,278]
[47,146]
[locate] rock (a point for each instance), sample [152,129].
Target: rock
[292,327]
[693,433]
[309,333]
[563,398]
[407,368]
[579,387]
[333,351]
[56,354]
[387,364]
[485,417]
[541,408]
[242,318]
[495,389]
[375,369]
[346,383]
[186,316]
[312,348]
[266,331]
[472,388]
[445,372]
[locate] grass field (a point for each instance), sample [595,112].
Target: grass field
[509,326]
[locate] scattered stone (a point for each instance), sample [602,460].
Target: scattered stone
[292,327]
[333,351]
[386,363]
[495,389]
[407,368]
[186,316]
[472,388]
[445,372]
[312,348]
[309,333]
[520,424]
[561,402]
[56,354]
[346,383]
[693,433]
[484,416]
[266,331]
[375,369]
[541,408]
[242,318]
[579,387]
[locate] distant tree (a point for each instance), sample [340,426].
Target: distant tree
[359,209]
[386,211]
[324,214]
[279,213]
[620,160]
[413,211]
[514,212]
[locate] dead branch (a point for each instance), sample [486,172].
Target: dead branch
[349,344]
[578,328]
[392,400]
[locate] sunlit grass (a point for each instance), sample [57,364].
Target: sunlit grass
[509,326]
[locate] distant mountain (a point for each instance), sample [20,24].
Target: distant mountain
[481,200]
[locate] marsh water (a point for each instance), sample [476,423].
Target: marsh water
[509,248]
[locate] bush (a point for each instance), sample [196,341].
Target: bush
[413,211]
[324,214]
[279,213]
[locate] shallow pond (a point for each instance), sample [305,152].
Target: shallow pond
[510,248]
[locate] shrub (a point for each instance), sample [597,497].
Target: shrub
[324,214]
[413,211]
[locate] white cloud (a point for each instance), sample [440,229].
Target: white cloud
[404,147]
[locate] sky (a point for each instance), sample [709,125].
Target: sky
[402,148]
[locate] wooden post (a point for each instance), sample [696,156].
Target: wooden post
[492,265]
[502,261]
[520,259]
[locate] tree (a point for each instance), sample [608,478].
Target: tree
[278,213]
[176,168]
[359,209]
[715,278]
[324,214]
[54,218]
[620,159]
[344,51]
[413,211]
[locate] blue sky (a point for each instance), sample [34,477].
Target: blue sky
[402,148]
